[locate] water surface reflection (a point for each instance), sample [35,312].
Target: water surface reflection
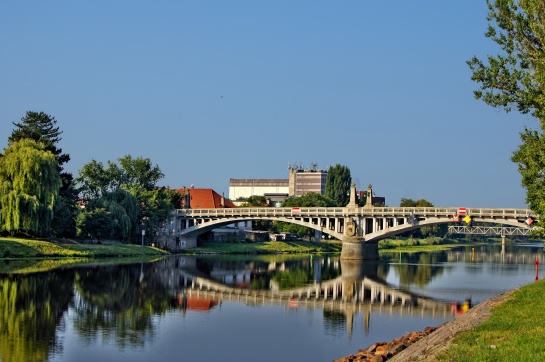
[317,308]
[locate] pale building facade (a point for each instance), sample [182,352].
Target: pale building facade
[300,181]
[244,188]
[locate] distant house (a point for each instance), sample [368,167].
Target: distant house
[208,199]
[197,198]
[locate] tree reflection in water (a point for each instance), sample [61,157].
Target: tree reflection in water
[115,302]
[118,303]
[31,309]
[419,268]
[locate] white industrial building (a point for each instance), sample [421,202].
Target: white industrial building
[300,182]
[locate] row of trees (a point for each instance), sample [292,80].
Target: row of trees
[39,199]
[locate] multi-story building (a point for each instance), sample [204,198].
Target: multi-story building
[301,181]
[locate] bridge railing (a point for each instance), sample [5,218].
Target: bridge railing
[450,211]
[263,212]
[245,212]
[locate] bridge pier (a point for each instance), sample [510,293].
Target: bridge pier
[355,248]
[185,241]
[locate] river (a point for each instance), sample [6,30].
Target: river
[244,308]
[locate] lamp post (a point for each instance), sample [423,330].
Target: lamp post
[143,233]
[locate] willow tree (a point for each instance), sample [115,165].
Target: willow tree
[43,128]
[29,188]
[120,206]
[515,79]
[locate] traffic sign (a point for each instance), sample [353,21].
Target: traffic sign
[467,219]
[462,211]
[296,211]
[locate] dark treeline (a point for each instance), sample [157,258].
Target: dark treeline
[39,199]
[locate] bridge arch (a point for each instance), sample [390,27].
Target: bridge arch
[359,228]
[403,228]
[208,225]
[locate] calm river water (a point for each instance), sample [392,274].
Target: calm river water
[260,308]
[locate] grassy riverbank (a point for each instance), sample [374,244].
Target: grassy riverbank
[514,332]
[267,247]
[16,248]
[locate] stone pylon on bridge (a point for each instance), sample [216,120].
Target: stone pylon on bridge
[354,245]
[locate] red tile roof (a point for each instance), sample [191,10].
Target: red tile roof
[207,199]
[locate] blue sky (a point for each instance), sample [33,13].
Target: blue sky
[213,90]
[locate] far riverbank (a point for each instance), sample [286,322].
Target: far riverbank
[20,248]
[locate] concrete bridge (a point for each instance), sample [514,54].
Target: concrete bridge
[359,228]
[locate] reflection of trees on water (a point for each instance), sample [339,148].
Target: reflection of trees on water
[31,308]
[307,271]
[285,272]
[494,258]
[419,268]
[334,322]
[116,302]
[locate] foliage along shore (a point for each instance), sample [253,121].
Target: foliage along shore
[19,248]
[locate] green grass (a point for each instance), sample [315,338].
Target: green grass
[410,245]
[267,247]
[423,248]
[514,332]
[16,248]
[35,265]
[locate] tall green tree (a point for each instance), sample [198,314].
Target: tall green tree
[131,174]
[97,224]
[43,128]
[515,78]
[29,188]
[124,209]
[135,176]
[337,187]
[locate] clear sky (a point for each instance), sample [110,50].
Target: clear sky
[213,90]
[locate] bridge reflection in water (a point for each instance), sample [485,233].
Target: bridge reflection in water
[357,291]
